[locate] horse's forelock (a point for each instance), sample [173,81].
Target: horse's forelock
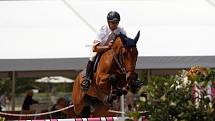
[127,42]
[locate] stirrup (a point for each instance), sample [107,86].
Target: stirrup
[85,84]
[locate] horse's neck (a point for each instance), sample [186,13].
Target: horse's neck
[117,45]
[107,58]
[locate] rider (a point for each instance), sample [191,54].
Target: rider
[102,43]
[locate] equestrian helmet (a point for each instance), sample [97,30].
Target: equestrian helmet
[113,16]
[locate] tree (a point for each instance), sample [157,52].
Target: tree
[173,98]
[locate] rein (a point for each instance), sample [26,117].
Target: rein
[118,62]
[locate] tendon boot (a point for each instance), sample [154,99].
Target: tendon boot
[87,76]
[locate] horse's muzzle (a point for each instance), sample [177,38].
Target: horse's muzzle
[133,83]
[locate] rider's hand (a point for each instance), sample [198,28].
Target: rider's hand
[110,44]
[95,41]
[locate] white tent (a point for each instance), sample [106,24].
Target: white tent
[54,79]
[53,34]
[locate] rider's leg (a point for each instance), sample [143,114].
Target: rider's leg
[87,80]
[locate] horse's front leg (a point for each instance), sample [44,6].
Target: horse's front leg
[105,84]
[102,81]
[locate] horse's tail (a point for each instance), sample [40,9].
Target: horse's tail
[78,94]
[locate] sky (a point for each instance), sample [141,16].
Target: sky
[65,28]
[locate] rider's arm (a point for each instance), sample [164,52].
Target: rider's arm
[101,36]
[100,49]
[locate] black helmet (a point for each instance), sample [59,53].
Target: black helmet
[113,16]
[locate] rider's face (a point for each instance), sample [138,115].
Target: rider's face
[113,25]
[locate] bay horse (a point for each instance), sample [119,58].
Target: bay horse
[114,74]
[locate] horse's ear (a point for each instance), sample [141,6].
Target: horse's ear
[137,37]
[122,35]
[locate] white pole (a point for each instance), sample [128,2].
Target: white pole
[122,106]
[148,75]
[13,90]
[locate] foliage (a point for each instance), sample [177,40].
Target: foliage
[2,118]
[5,86]
[172,98]
[134,116]
[24,84]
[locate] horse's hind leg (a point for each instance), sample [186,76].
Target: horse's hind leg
[78,96]
[85,113]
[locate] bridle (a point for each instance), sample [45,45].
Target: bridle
[119,61]
[119,57]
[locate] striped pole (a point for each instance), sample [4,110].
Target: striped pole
[83,119]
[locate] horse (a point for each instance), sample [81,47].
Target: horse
[114,75]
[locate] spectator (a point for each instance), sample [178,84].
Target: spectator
[61,103]
[28,100]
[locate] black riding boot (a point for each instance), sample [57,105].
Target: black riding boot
[87,78]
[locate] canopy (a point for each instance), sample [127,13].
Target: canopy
[54,79]
[35,33]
